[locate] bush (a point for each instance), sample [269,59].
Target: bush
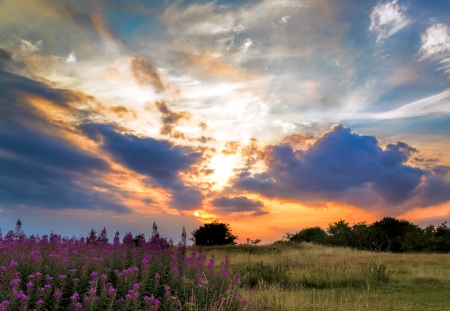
[214,233]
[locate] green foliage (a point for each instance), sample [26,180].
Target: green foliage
[386,235]
[215,233]
[379,273]
[314,235]
[261,273]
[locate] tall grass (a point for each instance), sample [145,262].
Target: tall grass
[305,276]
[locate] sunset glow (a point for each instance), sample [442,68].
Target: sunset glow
[269,115]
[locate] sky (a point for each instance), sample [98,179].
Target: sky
[270,115]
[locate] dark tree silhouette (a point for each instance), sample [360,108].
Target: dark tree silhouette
[103,237]
[215,233]
[18,232]
[92,238]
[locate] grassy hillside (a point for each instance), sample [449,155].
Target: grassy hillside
[313,277]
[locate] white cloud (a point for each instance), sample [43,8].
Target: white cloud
[248,43]
[435,104]
[27,46]
[435,42]
[71,59]
[284,19]
[387,19]
[445,65]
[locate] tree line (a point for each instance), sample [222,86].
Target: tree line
[386,235]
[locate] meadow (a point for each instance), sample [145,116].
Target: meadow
[60,273]
[133,273]
[304,276]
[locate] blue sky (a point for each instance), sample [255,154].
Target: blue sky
[119,113]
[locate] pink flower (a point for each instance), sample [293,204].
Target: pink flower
[30,284]
[57,293]
[13,264]
[78,305]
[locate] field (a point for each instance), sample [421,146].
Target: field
[312,277]
[55,273]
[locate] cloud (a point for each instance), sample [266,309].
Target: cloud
[387,19]
[7,61]
[435,41]
[436,45]
[71,58]
[28,46]
[39,167]
[435,104]
[231,147]
[237,204]
[346,168]
[159,160]
[170,119]
[146,73]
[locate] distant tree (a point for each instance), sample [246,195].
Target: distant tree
[139,239]
[390,234]
[155,233]
[214,233]
[92,237]
[442,237]
[313,234]
[18,232]
[253,242]
[362,236]
[103,237]
[339,233]
[116,238]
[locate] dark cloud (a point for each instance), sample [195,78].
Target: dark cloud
[170,119]
[7,61]
[146,73]
[231,147]
[252,153]
[345,167]
[238,204]
[160,160]
[39,169]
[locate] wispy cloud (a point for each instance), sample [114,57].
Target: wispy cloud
[387,19]
[436,45]
[435,104]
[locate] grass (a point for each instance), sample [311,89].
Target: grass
[313,277]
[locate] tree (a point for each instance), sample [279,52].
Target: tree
[103,237]
[313,234]
[18,232]
[339,233]
[215,233]
[92,238]
[390,233]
